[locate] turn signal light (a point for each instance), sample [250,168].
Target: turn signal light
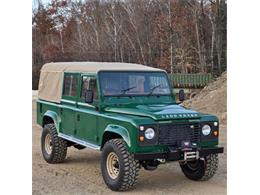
[141,138]
[215,133]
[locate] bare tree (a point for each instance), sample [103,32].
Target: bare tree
[176,35]
[130,10]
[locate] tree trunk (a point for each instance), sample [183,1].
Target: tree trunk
[218,37]
[212,42]
[115,34]
[198,38]
[133,23]
[171,36]
[61,42]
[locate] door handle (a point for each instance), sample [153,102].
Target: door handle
[78,117]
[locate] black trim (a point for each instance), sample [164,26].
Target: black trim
[175,155]
[210,137]
[173,134]
[149,142]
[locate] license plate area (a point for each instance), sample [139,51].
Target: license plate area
[191,155]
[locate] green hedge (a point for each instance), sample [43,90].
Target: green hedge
[197,80]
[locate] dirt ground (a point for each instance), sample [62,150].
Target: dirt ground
[81,174]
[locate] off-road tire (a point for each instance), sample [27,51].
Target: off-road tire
[203,170]
[128,166]
[59,146]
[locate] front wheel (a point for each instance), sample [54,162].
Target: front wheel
[201,169]
[118,166]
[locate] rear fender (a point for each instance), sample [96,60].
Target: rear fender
[55,117]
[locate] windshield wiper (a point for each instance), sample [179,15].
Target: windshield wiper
[153,88]
[127,89]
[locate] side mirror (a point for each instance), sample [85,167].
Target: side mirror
[89,96]
[181,95]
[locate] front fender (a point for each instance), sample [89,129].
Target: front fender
[123,132]
[55,117]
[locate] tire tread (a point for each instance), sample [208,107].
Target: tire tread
[131,166]
[59,145]
[205,170]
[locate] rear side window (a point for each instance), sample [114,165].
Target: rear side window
[70,85]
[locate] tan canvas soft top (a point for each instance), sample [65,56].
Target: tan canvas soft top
[50,84]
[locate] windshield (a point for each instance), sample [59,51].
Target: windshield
[134,83]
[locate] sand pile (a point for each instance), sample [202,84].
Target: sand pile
[212,99]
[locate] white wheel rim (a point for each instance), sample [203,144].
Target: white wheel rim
[112,165]
[48,144]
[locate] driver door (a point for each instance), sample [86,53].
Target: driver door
[86,114]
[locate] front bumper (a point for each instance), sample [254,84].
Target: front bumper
[178,154]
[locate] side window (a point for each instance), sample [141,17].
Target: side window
[70,85]
[88,83]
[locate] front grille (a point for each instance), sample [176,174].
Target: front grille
[174,134]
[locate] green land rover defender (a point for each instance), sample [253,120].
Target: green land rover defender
[129,113]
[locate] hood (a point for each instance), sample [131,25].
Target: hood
[157,112]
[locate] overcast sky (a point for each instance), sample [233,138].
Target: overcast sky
[35,2]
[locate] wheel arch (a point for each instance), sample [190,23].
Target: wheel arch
[51,117]
[116,131]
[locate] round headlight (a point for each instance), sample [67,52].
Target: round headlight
[206,130]
[149,133]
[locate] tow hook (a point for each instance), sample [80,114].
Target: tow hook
[162,160]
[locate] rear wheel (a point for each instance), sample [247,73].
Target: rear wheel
[54,148]
[201,169]
[118,166]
